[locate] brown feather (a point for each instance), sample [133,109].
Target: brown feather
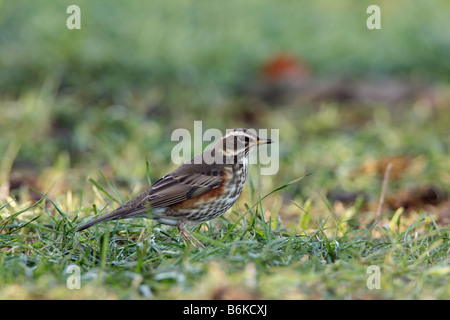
[186,182]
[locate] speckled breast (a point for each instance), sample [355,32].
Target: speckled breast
[214,203]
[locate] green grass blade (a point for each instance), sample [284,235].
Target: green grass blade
[121,199]
[15,215]
[95,183]
[259,201]
[325,238]
[57,209]
[147,171]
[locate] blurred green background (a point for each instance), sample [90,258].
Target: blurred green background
[111,93]
[115,90]
[347,101]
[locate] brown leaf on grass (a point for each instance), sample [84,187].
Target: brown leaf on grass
[233,293]
[442,213]
[284,67]
[417,198]
[281,77]
[286,77]
[400,163]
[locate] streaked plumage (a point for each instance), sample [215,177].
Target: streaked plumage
[199,190]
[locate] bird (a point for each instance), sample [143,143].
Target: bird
[199,190]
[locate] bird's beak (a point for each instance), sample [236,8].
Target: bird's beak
[264,141]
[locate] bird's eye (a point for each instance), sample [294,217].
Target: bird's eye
[244,139]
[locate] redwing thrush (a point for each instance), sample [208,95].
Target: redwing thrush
[201,189]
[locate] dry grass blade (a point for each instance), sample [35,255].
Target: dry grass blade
[383,191]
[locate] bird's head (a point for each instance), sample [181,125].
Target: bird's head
[236,145]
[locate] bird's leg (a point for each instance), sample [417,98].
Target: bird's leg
[181,227]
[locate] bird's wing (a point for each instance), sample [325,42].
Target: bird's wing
[188,181]
[182,185]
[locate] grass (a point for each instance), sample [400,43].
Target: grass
[247,256]
[86,124]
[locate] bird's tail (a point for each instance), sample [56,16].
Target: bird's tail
[107,217]
[119,213]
